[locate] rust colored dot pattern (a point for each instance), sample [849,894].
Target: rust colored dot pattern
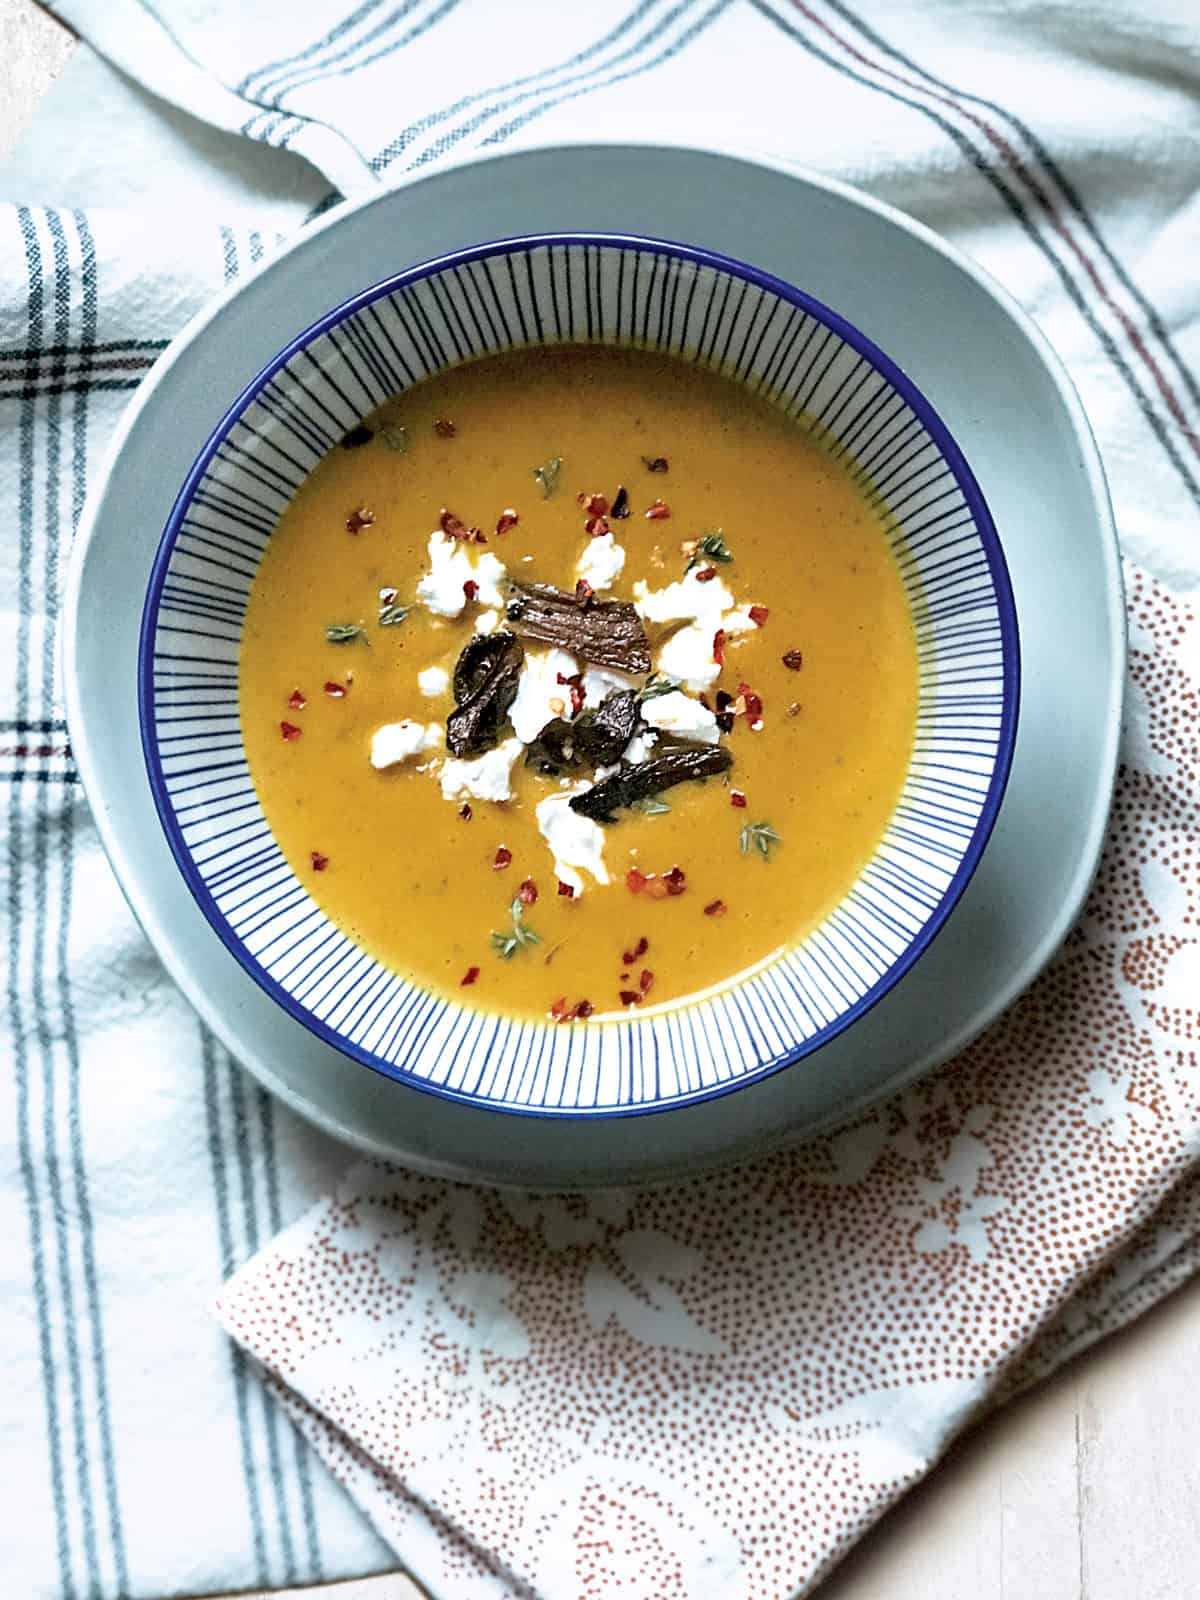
[714,1388]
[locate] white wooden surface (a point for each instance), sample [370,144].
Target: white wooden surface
[1087,1489]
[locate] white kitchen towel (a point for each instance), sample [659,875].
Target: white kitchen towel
[545,1354]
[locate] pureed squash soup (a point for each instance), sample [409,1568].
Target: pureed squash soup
[577,681]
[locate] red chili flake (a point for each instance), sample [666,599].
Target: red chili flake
[724,721]
[476,536]
[630,997]
[758,615]
[793,659]
[635,880]
[503,858]
[470,588]
[296,700]
[319,862]
[715,908]
[737,799]
[724,700]
[444,428]
[658,511]
[719,647]
[290,731]
[655,463]
[794,709]
[657,888]
[575,684]
[506,521]
[469,977]
[584,1008]
[749,702]
[335,691]
[559,1009]
[527,893]
[675,880]
[566,890]
[465,812]
[360,519]
[596,505]
[597,527]
[706,574]
[620,505]
[583,592]
[645,980]
[453,527]
[630,956]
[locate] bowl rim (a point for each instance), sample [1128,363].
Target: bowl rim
[964,477]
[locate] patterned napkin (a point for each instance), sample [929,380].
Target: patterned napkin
[710,1389]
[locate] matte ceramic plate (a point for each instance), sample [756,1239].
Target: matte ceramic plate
[713,312]
[1019,423]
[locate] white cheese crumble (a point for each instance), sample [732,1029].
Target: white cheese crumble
[640,748]
[486,777]
[679,714]
[487,621]
[396,741]
[575,841]
[687,656]
[599,682]
[540,697]
[689,600]
[601,563]
[433,681]
[451,564]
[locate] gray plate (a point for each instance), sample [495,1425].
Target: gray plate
[1006,399]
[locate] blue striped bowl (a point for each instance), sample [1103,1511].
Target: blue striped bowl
[708,309]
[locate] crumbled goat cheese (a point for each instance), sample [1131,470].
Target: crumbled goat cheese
[575,841]
[396,741]
[679,714]
[433,681]
[601,563]
[485,777]
[540,696]
[687,656]
[689,600]
[451,564]
[487,622]
[640,748]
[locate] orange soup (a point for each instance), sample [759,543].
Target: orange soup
[578,681]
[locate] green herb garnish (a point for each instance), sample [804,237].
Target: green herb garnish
[391,614]
[758,836]
[710,546]
[344,632]
[548,474]
[652,805]
[657,683]
[506,945]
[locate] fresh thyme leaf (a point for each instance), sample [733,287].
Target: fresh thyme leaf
[506,945]
[658,683]
[652,805]
[758,836]
[547,475]
[390,615]
[394,436]
[344,632]
[710,546]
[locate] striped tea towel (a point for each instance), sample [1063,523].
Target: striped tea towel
[812,1329]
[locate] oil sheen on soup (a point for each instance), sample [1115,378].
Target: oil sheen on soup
[577,682]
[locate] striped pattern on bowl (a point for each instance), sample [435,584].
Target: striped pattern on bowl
[708,309]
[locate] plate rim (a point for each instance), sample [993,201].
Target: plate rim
[138,887]
[965,480]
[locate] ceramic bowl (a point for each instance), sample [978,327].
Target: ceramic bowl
[608,289]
